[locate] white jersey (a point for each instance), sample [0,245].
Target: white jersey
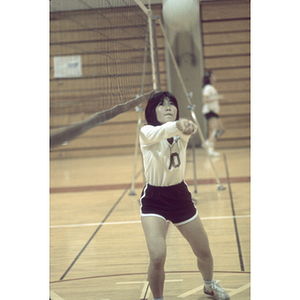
[164,163]
[209,91]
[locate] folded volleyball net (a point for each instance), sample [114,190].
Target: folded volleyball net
[101,65]
[104,62]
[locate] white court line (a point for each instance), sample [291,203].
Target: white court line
[225,217]
[136,222]
[95,224]
[54,296]
[139,282]
[193,291]
[145,288]
[242,288]
[132,282]
[232,293]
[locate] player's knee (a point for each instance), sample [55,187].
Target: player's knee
[205,255]
[158,260]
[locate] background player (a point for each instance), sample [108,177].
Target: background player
[211,109]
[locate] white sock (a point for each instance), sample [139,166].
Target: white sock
[209,144]
[208,282]
[162,298]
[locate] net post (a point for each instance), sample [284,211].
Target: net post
[149,13]
[139,110]
[143,7]
[191,106]
[152,51]
[153,18]
[194,165]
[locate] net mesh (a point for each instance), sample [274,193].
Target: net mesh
[99,58]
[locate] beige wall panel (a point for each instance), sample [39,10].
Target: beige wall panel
[240,96]
[220,50]
[60,120]
[235,121]
[108,151]
[228,74]
[101,34]
[236,85]
[226,38]
[234,25]
[227,62]
[98,83]
[236,132]
[234,109]
[235,143]
[88,19]
[220,10]
[115,140]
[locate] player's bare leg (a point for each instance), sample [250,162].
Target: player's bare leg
[155,231]
[217,129]
[196,236]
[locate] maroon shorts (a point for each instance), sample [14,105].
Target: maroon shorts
[172,203]
[211,114]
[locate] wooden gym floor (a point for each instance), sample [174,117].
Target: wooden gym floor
[97,245]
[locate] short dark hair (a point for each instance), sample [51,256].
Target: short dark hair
[150,113]
[206,78]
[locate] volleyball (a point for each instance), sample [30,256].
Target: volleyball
[181,15]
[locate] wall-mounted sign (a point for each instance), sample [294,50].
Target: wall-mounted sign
[67,66]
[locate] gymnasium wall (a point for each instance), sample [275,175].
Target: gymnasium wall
[226,46]
[118,135]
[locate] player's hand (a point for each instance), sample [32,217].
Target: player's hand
[186,126]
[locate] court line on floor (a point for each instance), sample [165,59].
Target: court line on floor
[95,232]
[98,228]
[234,219]
[138,222]
[146,291]
[105,187]
[230,294]
[139,282]
[137,274]
[191,292]
[54,296]
[242,288]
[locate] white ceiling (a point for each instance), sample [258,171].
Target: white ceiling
[63,5]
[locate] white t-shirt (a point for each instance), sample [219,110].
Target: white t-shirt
[209,91]
[164,163]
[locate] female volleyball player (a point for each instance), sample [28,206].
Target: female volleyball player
[166,196]
[211,109]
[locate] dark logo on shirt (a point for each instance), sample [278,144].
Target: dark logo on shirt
[174,160]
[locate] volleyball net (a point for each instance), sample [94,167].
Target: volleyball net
[100,64]
[103,64]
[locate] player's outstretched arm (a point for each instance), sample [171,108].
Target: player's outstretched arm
[186,126]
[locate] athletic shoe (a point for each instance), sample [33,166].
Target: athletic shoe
[216,291]
[211,149]
[212,152]
[209,144]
